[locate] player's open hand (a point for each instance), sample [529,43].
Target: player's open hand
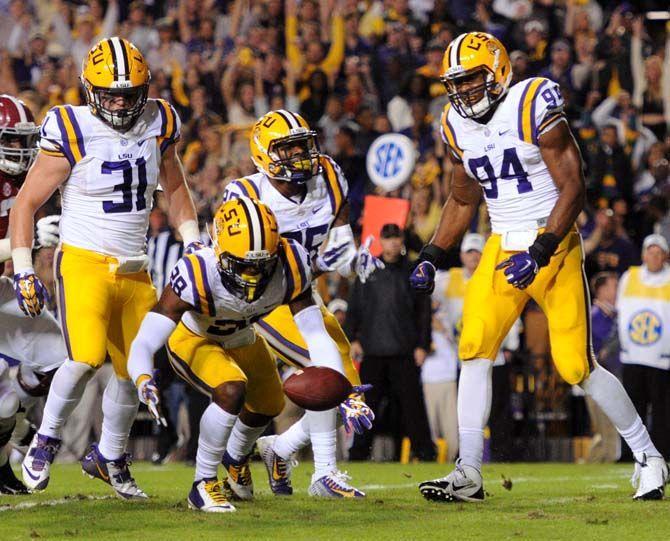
[355,413]
[520,269]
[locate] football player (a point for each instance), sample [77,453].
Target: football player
[106,158]
[307,192]
[515,145]
[36,343]
[205,316]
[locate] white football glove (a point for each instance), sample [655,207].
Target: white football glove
[47,231]
[339,252]
[365,262]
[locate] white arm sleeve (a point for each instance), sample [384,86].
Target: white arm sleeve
[5,250]
[322,349]
[153,334]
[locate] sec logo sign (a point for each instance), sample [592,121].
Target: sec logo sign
[390,161]
[645,328]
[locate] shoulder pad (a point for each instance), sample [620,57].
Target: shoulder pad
[61,135]
[540,105]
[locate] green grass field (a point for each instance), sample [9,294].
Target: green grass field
[546,501]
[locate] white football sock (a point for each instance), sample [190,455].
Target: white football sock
[323,434]
[215,428]
[607,391]
[294,439]
[65,392]
[242,439]
[474,407]
[119,409]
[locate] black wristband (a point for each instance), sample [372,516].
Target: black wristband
[543,248]
[433,254]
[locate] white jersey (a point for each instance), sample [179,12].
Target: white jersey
[107,198]
[504,157]
[309,220]
[219,315]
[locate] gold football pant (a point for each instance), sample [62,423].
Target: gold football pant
[206,365]
[560,289]
[100,311]
[283,336]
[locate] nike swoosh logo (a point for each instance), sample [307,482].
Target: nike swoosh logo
[102,474]
[140,143]
[503,132]
[33,477]
[469,484]
[317,209]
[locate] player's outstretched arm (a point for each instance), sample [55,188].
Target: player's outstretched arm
[457,214]
[564,161]
[154,332]
[45,175]
[180,203]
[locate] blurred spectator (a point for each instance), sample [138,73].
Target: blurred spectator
[330,123]
[389,327]
[169,53]
[643,305]
[137,28]
[605,445]
[354,169]
[606,249]
[609,167]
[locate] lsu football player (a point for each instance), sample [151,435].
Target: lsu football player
[106,159]
[36,343]
[206,317]
[515,145]
[307,192]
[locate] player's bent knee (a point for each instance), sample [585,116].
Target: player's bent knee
[574,374]
[230,396]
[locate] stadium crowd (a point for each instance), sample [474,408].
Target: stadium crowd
[357,69]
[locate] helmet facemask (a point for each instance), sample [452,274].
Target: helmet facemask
[119,119]
[476,100]
[247,278]
[16,159]
[295,158]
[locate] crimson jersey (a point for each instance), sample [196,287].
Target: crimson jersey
[9,187]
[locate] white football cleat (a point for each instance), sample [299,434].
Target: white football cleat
[649,478]
[239,485]
[334,485]
[464,484]
[38,460]
[278,468]
[116,473]
[207,496]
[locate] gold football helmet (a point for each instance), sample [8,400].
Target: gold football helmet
[114,69]
[476,71]
[284,147]
[246,243]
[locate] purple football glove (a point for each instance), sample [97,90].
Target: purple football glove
[355,413]
[30,293]
[520,269]
[423,277]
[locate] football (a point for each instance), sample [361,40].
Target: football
[317,388]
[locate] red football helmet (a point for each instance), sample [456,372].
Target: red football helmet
[18,136]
